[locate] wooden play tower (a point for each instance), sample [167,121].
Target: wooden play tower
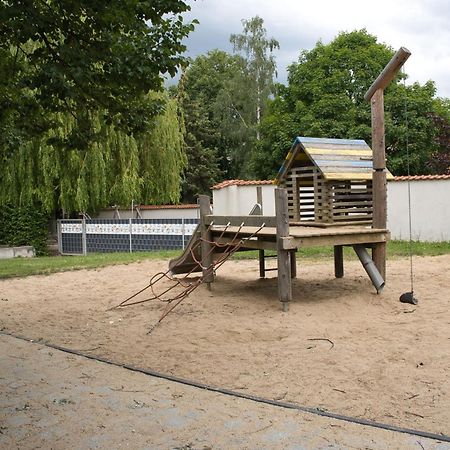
[331,192]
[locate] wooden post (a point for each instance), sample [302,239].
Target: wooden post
[283,256]
[293,258]
[207,257]
[338,261]
[262,264]
[375,95]
[379,178]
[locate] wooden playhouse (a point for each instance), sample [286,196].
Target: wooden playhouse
[328,182]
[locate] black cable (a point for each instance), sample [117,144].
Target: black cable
[254,398]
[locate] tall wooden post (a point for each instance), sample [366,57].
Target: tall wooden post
[376,97]
[207,257]
[379,186]
[283,256]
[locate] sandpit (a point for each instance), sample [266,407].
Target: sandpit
[341,347]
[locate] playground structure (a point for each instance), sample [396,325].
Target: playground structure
[332,192]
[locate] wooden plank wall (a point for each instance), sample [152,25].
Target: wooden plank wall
[300,191]
[351,201]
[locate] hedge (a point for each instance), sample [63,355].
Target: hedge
[24,225]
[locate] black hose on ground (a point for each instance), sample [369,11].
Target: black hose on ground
[254,398]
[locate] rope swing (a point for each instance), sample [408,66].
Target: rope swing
[408,297]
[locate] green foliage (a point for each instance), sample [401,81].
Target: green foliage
[84,58]
[210,110]
[260,67]
[26,225]
[224,99]
[325,98]
[119,168]
[439,162]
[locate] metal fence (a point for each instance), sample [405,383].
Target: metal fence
[82,236]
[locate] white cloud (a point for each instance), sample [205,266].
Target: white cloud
[423,26]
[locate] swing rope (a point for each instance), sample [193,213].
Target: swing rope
[408,164]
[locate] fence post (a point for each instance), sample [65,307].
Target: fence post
[130,222]
[183,231]
[59,235]
[83,236]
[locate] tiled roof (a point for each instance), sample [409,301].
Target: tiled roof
[143,207]
[422,177]
[185,206]
[227,183]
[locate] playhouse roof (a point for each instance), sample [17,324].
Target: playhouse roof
[337,159]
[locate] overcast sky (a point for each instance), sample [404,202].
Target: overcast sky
[422,26]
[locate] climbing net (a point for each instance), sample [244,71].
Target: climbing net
[180,287]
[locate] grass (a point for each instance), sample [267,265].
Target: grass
[395,250]
[22,267]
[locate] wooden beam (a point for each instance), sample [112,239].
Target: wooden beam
[206,248]
[375,95]
[389,72]
[262,264]
[338,261]
[293,258]
[248,244]
[249,221]
[378,143]
[283,256]
[289,243]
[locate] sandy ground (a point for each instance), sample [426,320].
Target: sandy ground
[90,405]
[386,361]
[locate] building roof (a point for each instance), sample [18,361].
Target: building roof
[422,177]
[227,183]
[148,207]
[337,159]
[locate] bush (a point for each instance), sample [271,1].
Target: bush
[24,225]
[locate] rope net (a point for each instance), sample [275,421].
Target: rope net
[179,288]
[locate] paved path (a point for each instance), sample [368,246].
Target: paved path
[53,400]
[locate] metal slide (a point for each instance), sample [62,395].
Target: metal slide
[185,263]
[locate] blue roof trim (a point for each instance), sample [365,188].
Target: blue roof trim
[305,140]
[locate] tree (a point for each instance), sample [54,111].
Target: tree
[84,57]
[257,51]
[324,98]
[117,169]
[215,129]
[439,162]
[224,100]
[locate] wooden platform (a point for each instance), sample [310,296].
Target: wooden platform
[299,236]
[278,233]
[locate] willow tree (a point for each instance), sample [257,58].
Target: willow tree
[114,169]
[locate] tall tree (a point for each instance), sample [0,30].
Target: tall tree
[215,129]
[257,50]
[324,98]
[81,57]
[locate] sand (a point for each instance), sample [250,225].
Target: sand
[341,347]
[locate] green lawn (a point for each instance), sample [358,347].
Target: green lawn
[22,267]
[395,249]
